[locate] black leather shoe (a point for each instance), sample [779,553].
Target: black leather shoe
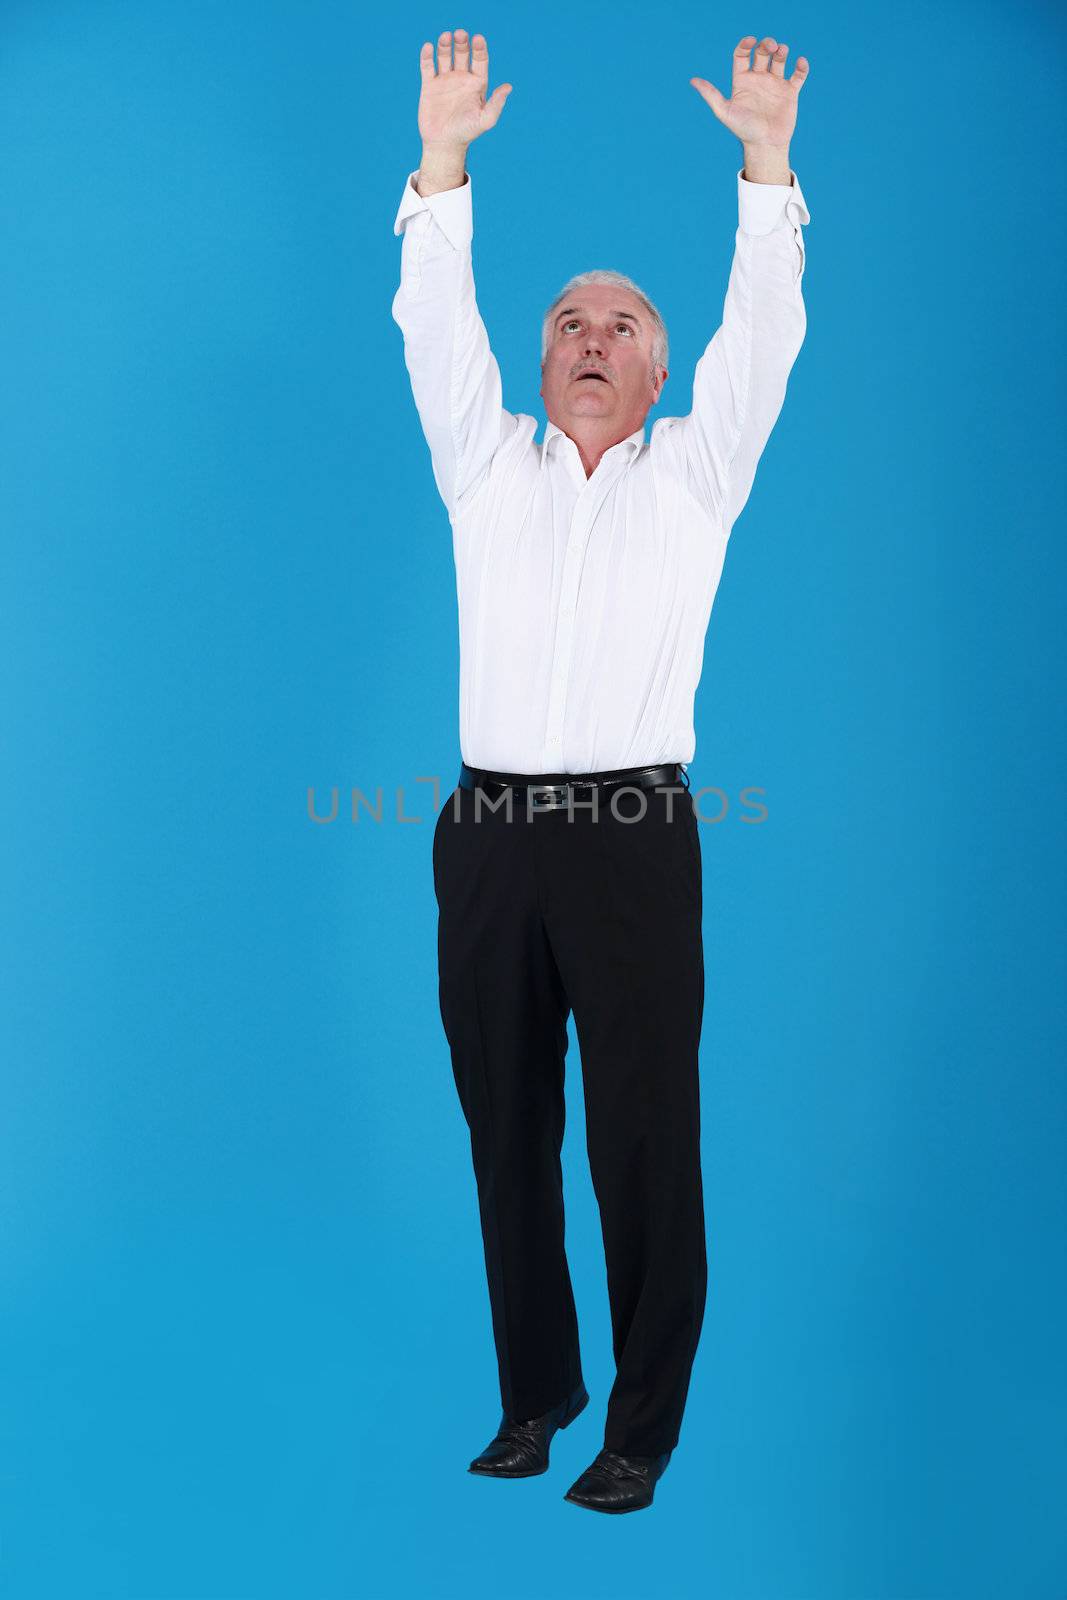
[618,1483]
[520,1449]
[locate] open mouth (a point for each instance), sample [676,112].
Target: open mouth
[598,377]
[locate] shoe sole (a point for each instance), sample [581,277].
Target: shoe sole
[535,1472]
[614,1511]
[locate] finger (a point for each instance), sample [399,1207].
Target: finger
[480,59]
[742,63]
[778,60]
[495,105]
[444,52]
[461,58]
[426,62]
[800,72]
[764,51]
[707,91]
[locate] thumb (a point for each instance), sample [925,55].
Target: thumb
[495,104]
[707,91]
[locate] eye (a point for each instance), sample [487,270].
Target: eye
[573,323]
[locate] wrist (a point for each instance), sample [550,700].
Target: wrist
[443,166]
[767,164]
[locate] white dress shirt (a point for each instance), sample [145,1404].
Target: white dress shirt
[584,602]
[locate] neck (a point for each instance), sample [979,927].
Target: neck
[593,436]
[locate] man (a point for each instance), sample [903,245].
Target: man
[566,876]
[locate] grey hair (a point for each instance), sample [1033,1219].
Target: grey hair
[606,275]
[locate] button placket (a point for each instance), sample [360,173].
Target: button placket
[564,643]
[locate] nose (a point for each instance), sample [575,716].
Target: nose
[593,344]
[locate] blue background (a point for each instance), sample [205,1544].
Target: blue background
[246,1346]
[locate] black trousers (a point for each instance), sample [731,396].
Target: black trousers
[540,915]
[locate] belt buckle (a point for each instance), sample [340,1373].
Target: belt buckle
[553,797]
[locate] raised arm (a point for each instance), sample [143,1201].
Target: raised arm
[740,380]
[454,375]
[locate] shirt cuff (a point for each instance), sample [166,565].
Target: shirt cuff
[760,205]
[450,208]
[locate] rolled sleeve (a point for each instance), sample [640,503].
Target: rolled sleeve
[761,208]
[760,205]
[451,209]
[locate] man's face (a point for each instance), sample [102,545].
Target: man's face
[606,331]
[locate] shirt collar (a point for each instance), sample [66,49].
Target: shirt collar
[629,447]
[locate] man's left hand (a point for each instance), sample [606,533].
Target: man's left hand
[762,110]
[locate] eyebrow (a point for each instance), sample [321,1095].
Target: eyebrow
[570,310]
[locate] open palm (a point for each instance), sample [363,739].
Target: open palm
[453,109]
[762,109]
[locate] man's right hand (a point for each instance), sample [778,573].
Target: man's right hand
[453,110]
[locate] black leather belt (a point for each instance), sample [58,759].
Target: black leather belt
[553,790]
